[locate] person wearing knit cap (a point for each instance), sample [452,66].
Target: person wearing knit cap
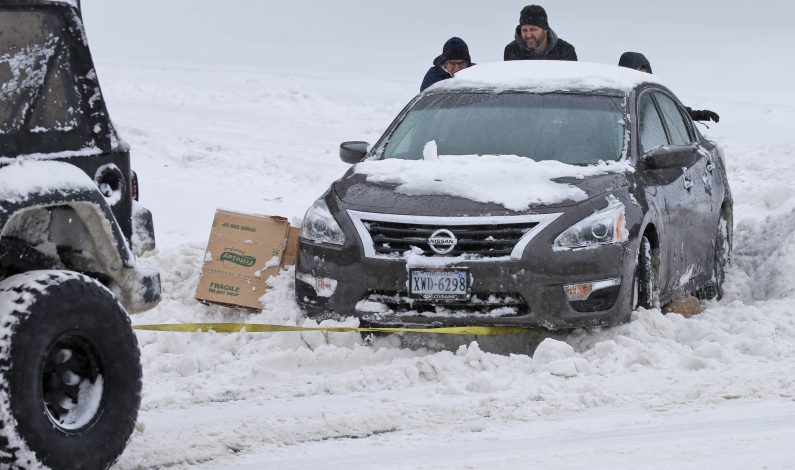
[535,40]
[454,58]
[639,62]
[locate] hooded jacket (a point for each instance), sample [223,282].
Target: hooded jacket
[454,49]
[634,61]
[557,49]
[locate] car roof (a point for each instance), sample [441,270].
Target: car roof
[547,76]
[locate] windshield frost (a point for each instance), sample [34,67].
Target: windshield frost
[569,128]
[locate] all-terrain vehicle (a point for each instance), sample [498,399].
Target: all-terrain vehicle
[70,231]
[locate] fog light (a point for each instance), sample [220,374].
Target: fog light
[324,286]
[579,292]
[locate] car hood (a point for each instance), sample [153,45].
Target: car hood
[398,187]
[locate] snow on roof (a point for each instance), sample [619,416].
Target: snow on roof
[545,76]
[71,3]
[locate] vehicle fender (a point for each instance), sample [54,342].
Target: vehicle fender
[29,185]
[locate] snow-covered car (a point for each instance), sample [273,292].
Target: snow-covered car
[70,230]
[528,193]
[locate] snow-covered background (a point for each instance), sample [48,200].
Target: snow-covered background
[242,105]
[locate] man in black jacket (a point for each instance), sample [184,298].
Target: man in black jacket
[638,61]
[535,40]
[454,58]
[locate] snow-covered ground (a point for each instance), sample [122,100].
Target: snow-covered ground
[716,390]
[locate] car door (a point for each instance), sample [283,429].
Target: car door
[659,186]
[697,218]
[667,191]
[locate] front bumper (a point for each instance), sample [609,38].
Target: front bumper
[138,288]
[525,292]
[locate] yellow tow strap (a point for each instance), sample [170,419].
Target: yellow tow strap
[262,328]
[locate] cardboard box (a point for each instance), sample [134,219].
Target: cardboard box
[244,250]
[290,255]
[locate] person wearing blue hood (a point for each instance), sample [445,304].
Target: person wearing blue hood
[639,62]
[535,40]
[454,58]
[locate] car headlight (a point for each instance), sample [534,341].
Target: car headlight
[604,227]
[319,225]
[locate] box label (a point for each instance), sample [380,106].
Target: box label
[240,260]
[226,289]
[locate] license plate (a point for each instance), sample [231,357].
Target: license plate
[439,283]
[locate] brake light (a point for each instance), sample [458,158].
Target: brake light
[134,186]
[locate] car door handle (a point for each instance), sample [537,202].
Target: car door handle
[687,182]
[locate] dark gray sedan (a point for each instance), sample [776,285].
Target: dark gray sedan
[542,194]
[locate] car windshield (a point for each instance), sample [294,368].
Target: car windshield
[571,128]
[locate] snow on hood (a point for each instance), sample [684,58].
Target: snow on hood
[547,76]
[25,177]
[512,181]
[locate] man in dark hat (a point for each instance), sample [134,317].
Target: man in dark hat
[535,40]
[639,62]
[454,58]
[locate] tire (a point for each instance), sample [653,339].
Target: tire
[645,291]
[70,372]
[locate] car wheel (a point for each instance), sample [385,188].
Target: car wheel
[70,372]
[714,290]
[645,292]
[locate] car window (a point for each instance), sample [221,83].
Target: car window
[570,128]
[652,132]
[40,100]
[673,118]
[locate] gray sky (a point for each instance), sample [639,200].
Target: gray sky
[726,48]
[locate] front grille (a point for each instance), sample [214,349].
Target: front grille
[480,241]
[496,304]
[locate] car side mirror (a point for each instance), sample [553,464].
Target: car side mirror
[666,157]
[354,151]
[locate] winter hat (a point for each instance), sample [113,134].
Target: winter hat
[534,15]
[634,61]
[455,49]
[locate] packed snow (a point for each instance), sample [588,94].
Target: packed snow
[484,178]
[221,114]
[22,178]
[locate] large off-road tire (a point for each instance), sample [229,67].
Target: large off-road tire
[714,290]
[70,373]
[645,290]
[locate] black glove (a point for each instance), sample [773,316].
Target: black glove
[703,115]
